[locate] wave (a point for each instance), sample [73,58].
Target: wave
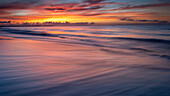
[162,56]
[40,33]
[116,52]
[26,32]
[141,39]
[5,38]
[141,49]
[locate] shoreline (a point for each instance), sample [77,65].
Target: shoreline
[77,25]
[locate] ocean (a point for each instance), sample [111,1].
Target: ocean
[119,60]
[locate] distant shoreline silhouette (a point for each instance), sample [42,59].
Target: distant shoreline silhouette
[51,23]
[47,23]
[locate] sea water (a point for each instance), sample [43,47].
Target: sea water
[124,60]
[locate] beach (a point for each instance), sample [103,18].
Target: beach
[124,60]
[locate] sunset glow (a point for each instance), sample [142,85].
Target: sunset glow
[99,11]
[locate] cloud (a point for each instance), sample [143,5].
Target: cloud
[82,6]
[18,5]
[55,9]
[9,9]
[71,7]
[86,8]
[101,4]
[93,1]
[141,6]
[35,5]
[4,13]
[13,18]
[142,20]
[58,7]
[14,6]
[91,14]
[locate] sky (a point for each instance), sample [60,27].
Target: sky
[98,11]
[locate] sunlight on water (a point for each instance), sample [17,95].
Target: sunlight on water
[85,61]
